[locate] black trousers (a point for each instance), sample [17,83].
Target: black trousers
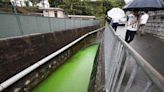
[129,36]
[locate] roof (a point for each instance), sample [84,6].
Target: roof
[81,16]
[55,9]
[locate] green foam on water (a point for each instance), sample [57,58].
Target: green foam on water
[73,76]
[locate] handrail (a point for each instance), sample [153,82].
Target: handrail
[154,75]
[26,71]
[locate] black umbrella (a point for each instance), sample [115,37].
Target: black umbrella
[145,5]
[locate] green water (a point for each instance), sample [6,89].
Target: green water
[73,76]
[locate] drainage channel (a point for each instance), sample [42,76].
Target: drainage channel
[73,76]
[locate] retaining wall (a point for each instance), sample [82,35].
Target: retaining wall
[155,24]
[19,53]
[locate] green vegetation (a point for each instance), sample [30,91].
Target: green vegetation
[76,7]
[86,7]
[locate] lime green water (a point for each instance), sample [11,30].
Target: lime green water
[73,76]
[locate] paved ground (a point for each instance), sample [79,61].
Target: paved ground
[148,46]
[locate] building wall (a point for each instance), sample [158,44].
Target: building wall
[48,13]
[155,24]
[20,3]
[60,14]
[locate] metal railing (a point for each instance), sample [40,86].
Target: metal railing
[125,69]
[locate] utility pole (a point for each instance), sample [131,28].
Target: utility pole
[14,6]
[43,4]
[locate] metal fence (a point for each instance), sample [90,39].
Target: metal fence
[125,69]
[16,24]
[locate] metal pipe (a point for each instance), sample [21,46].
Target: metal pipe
[26,71]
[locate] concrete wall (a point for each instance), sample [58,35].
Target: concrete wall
[155,23]
[18,53]
[17,25]
[97,80]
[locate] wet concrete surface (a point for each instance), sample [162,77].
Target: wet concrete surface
[150,47]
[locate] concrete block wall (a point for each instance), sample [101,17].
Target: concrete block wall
[19,53]
[155,24]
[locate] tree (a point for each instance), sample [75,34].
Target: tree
[34,2]
[75,7]
[86,7]
[55,3]
[117,3]
[5,3]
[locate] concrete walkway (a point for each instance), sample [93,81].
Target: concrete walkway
[151,48]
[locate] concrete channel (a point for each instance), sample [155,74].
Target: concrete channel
[73,76]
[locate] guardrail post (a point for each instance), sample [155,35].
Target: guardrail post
[122,73]
[148,85]
[132,76]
